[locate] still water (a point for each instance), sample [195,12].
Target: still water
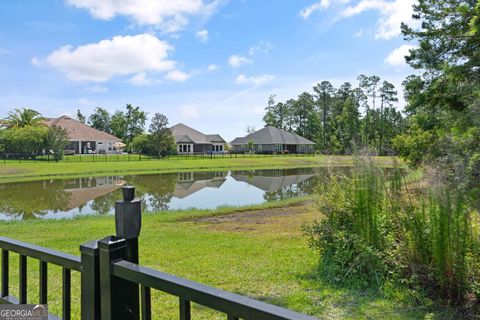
[55,199]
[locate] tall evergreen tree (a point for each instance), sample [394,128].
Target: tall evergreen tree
[388,95]
[303,107]
[324,93]
[443,100]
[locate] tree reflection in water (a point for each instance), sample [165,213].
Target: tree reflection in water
[97,195]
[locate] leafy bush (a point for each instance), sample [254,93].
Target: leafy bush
[28,139]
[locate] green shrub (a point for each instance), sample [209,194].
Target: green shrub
[350,237]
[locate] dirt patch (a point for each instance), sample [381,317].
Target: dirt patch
[286,220]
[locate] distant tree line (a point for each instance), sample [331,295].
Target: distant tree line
[342,120]
[129,125]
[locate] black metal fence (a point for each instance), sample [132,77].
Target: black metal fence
[115,287]
[22,157]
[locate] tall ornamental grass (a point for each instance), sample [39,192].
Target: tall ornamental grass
[374,227]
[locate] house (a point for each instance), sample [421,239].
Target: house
[189,140]
[270,140]
[85,139]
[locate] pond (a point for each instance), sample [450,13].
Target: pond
[65,198]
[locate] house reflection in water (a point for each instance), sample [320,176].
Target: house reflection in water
[158,192]
[272,183]
[91,188]
[49,197]
[190,182]
[280,184]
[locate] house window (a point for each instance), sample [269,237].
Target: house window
[260,147]
[185,176]
[184,148]
[99,142]
[278,147]
[304,148]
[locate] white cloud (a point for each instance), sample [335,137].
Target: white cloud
[85,102]
[177,76]
[359,33]
[202,35]
[213,67]
[120,56]
[168,15]
[392,14]
[396,58]
[262,46]
[189,112]
[254,80]
[36,62]
[306,12]
[140,79]
[97,89]
[237,61]
[320,5]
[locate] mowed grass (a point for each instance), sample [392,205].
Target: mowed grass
[257,251]
[11,171]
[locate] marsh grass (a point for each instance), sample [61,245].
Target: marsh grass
[376,230]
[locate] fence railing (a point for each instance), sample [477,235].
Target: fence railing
[44,256]
[22,157]
[115,287]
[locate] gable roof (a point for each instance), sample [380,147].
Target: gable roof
[80,131]
[272,135]
[183,133]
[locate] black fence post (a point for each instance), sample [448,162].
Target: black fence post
[5,274]
[128,222]
[90,281]
[121,298]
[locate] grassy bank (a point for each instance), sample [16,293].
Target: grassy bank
[15,171]
[258,251]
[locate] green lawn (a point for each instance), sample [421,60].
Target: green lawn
[257,251]
[11,171]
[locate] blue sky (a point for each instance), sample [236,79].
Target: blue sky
[209,64]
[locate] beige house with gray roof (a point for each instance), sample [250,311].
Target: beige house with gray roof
[191,141]
[271,139]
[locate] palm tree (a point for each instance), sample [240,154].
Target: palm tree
[22,118]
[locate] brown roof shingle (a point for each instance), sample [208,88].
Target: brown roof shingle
[80,131]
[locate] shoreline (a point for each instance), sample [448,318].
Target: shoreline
[23,172]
